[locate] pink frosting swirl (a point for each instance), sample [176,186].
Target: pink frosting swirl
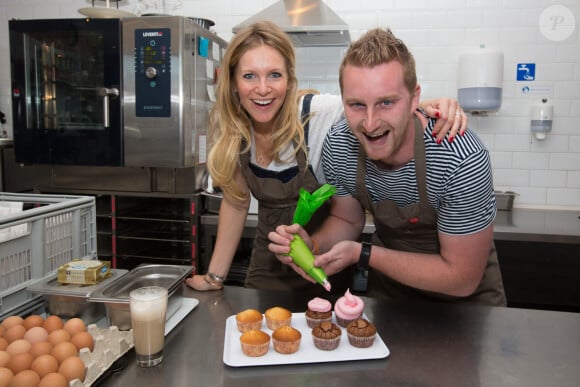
[349,306]
[318,304]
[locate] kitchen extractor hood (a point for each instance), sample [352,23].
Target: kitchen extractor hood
[309,23]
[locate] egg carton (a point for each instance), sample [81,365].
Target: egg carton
[110,345]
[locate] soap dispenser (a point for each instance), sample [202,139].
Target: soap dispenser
[541,120]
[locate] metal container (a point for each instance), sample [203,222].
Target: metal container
[115,296]
[504,200]
[71,300]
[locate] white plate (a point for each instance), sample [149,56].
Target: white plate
[188,305]
[104,13]
[307,353]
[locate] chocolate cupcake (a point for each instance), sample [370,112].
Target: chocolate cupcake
[319,310]
[361,333]
[348,308]
[326,336]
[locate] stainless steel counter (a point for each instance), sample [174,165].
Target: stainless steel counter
[520,224]
[430,345]
[556,226]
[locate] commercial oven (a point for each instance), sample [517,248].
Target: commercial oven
[133,92]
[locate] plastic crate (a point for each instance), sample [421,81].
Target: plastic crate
[50,231]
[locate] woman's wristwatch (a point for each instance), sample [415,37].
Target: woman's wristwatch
[217,281]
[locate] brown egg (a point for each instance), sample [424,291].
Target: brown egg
[63,350]
[52,323]
[41,348]
[58,336]
[20,362]
[4,358]
[36,335]
[53,380]
[3,343]
[74,326]
[83,340]
[18,346]
[33,320]
[11,321]
[26,378]
[72,368]
[6,376]
[15,332]
[44,365]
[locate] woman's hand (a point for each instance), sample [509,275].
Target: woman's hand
[200,282]
[451,119]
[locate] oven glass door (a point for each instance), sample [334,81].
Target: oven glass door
[66,86]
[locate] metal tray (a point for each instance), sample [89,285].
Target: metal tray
[71,300]
[115,296]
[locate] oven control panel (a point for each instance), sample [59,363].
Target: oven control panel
[153,72]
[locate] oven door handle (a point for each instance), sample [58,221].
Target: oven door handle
[105,93]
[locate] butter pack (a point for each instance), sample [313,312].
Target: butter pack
[84,272]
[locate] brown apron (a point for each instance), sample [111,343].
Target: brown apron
[276,204]
[414,228]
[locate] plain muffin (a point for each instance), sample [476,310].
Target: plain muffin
[286,340]
[249,319]
[255,343]
[277,317]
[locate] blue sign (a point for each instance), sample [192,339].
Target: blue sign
[526,72]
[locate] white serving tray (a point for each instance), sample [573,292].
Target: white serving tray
[307,353]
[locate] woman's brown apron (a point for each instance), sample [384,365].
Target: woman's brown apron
[414,228]
[276,204]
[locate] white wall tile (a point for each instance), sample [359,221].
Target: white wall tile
[531,160]
[501,160]
[573,180]
[530,196]
[563,197]
[512,142]
[511,177]
[552,143]
[575,143]
[543,178]
[564,161]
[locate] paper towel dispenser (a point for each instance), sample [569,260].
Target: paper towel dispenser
[480,80]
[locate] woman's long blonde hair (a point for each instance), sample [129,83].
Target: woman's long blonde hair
[229,123]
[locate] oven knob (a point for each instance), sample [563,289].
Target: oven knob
[150,72]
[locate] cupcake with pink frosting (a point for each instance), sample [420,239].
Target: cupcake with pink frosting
[348,308]
[319,310]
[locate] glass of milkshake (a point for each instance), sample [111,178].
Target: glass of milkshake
[148,306]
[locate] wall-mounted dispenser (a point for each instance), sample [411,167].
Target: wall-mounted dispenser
[541,120]
[480,80]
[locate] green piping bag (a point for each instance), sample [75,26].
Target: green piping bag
[300,253]
[303,257]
